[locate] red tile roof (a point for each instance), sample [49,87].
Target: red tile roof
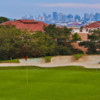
[31,25]
[93,25]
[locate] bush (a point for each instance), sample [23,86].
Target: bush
[48,58]
[77,56]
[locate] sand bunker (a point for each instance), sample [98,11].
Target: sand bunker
[88,61]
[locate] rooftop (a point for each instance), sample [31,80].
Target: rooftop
[93,25]
[30,25]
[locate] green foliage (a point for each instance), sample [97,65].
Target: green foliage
[10,61]
[48,58]
[77,56]
[96,39]
[3,19]
[16,43]
[61,50]
[76,37]
[57,32]
[94,44]
[61,37]
[90,45]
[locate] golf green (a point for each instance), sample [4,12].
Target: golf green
[49,84]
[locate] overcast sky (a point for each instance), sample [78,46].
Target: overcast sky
[19,8]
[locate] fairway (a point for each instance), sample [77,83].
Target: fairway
[50,84]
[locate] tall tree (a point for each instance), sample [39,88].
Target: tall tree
[61,37]
[59,34]
[93,44]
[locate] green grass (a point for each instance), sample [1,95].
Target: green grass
[77,56]
[48,58]
[63,83]
[10,61]
[53,68]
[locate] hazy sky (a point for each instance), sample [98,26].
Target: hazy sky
[19,8]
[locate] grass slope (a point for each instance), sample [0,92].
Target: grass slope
[63,83]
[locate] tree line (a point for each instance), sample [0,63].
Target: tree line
[16,43]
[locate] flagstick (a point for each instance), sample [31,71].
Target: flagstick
[26,73]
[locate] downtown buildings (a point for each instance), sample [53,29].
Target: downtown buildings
[68,20]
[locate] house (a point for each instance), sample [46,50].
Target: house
[30,25]
[93,26]
[75,29]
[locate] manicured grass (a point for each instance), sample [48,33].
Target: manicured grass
[63,83]
[10,61]
[48,58]
[35,67]
[77,56]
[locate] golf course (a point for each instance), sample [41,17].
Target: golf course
[53,56]
[58,83]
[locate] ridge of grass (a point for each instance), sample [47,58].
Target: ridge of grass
[77,56]
[48,58]
[10,61]
[70,68]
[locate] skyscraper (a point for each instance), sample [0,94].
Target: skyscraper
[70,18]
[77,18]
[86,17]
[55,16]
[97,16]
[31,17]
[45,16]
[92,17]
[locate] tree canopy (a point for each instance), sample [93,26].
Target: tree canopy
[3,19]
[15,43]
[93,44]
[76,37]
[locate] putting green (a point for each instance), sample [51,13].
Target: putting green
[50,84]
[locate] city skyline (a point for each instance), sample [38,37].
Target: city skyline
[17,9]
[61,18]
